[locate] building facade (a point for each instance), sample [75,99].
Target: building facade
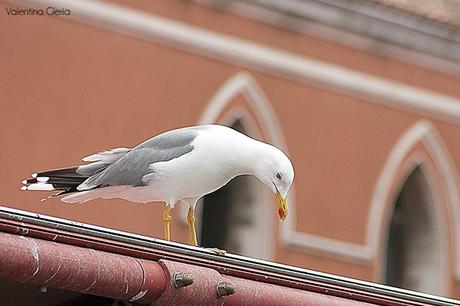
[364,98]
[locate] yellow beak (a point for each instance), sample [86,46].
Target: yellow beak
[282,206]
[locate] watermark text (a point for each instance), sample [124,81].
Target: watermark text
[49,11]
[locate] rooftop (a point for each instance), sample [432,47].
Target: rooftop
[445,11]
[58,254]
[431,28]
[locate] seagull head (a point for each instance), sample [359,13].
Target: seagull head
[275,170]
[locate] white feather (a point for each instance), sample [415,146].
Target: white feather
[39,186]
[107,157]
[85,196]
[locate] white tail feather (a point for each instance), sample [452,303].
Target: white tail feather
[39,186]
[85,196]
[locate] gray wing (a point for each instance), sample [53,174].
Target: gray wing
[134,165]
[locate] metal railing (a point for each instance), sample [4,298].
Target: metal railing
[76,233]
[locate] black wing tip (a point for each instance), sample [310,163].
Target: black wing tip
[65,179]
[62,172]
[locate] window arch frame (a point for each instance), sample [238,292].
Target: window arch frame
[420,146]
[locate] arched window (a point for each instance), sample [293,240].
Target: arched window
[243,211]
[414,256]
[233,216]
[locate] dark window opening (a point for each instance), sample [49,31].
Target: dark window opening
[414,249]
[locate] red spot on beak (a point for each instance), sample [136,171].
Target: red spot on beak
[281,214]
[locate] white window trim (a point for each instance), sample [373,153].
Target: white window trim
[422,132]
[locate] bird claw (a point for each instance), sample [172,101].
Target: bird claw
[217,251]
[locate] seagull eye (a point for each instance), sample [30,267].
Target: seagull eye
[278,176]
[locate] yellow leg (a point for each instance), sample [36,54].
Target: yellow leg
[167,222]
[191,225]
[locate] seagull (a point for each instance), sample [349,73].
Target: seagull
[180,165]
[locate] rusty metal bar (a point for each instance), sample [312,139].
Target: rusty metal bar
[212,288]
[65,231]
[49,264]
